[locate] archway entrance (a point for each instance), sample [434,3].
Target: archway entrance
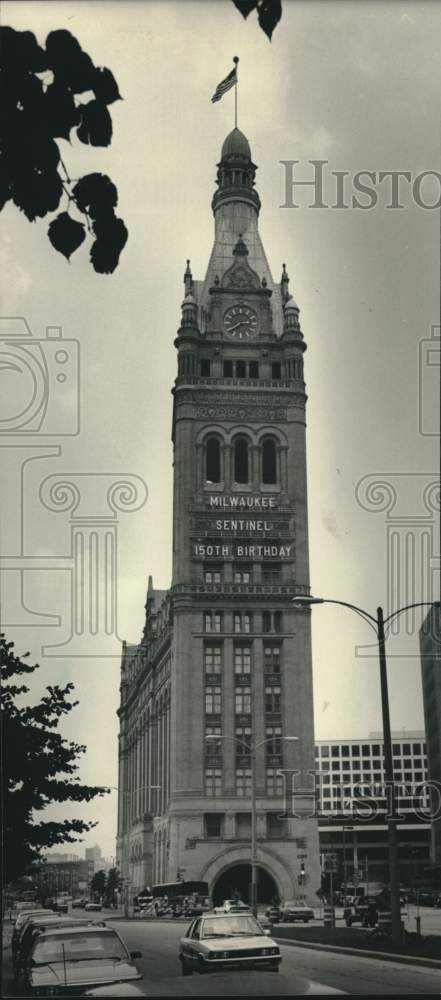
[235,881]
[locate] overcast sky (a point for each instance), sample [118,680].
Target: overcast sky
[356,84]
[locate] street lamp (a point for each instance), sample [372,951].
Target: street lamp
[253,748]
[377,623]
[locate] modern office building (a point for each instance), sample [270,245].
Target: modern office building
[352,805]
[217,696]
[430,648]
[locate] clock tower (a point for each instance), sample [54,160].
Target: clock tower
[242,675]
[216,702]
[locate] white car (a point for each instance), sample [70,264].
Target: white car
[233,906]
[227,941]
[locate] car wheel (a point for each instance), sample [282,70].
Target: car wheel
[186,968]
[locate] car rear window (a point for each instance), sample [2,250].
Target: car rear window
[78,947]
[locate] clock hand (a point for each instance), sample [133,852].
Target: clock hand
[241,323]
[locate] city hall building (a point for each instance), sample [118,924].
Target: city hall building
[217,697]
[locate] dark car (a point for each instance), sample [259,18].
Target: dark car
[68,960]
[364,911]
[79,904]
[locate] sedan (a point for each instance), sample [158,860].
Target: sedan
[296,910]
[69,960]
[78,904]
[95,907]
[227,941]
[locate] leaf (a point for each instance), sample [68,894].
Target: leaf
[96,125]
[65,234]
[269,14]
[111,236]
[68,61]
[95,194]
[245,6]
[105,86]
[36,192]
[20,52]
[61,112]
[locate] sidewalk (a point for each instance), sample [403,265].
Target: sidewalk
[424,950]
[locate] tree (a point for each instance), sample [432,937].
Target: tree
[39,768]
[44,98]
[98,883]
[113,885]
[269,12]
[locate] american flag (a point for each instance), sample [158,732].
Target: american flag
[225,85]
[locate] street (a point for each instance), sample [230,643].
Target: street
[302,970]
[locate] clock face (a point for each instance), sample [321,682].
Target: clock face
[240,322]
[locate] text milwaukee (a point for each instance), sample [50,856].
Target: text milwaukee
[258,503]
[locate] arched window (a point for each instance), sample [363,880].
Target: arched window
[241,463]
[269,462]
[213,461]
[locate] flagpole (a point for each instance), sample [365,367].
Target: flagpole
[235,60]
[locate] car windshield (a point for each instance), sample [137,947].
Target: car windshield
[230,927]
[89,946]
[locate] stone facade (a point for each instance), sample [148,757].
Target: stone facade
[225,655]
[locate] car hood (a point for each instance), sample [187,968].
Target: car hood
[237,943]
[90,973]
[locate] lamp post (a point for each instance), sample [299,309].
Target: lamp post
[253,748]
[378,623]
[345,870]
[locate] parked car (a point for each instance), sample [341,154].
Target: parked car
[22,918]
[364,911]
[294,909]
[69,960]
[78,904]
[49,921]
[93,907]
[61,905]
[227,941]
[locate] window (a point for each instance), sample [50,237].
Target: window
[241,470]
[213,575]
[275,825]
[365,750]
[241,369]
[214,824]
[345,765]
[213,748]
[345,751]
[416,748]
[406,749]
[242,659]
[396,749]
[355,751]
[335,751]
[254,369]
[213,658]
[269,462]
[272,699]
[213,700]
[276,369]
[366,765]
[243,781]
[242,701]
[242,574]
[274,740]
[205,366]
[212,621]
[243,741]
[213,781]
[277,621]
[376,750]
[228,369]
[274,782]
[335,765]
[243,826]
[271,573]
[272,659]
[242,621]
[213,461]
[266,621]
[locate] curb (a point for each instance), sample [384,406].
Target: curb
[386,956]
